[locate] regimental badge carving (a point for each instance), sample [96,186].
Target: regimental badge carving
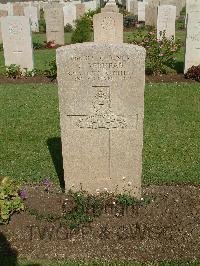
[103,116]
[108,23]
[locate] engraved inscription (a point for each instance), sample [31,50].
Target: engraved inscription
[103,116]
[108,23]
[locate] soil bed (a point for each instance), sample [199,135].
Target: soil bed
[168,228]
[170,78]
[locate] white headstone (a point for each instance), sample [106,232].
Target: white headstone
[141,11]
[166,21]
[32,13]
[192,53]
[69,11]
[17,41]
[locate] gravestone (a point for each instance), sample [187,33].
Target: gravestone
[151,15]
[18,9]
[192,52]
[176,3]
[7,7]
[80,10]
[54,23]
[90,5]
[166,21]
[17,41]
[192,6]
[141,11]
[108,27]
[32,13]
[69,11]
[3,13]
[101,98]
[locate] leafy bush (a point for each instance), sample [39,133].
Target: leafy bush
[193,73]
[10,200]
[13,71]
[82,32]
[130,21]
[180,23]
[68,28]
[37,45]
[160,54]
[51,72]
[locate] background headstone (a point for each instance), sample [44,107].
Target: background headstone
[32,13]
[54,23]
[69,11]
[3,13]
[192,53]
[17,41]
[101,98]
[18,9]
[166,21]
[108,27]
[141,11]
[151,15]
[80,10]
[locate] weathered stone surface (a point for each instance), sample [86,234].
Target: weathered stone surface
[90,5]
[54,23]
[3,13]
[166,21]
[176,3]
[32,13]
[108,27]
[101,98]
[17,41]
[192,54]
[141,11]
[151,15]
[80,10]
[18,9]
[69,13]
[192,6]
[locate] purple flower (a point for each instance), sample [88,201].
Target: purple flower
[22,194]
[47,182]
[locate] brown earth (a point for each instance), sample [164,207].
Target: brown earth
[168,228]
[170,78]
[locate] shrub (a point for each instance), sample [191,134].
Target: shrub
[51,72]
[160,54]
[68,28]
[130,21]
[82,32]
[37,45]
[13,71]
[193,73]
[10,200]
[180,23]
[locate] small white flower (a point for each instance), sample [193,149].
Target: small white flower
[117,214]
[142,199]
[114,203]
[129,183]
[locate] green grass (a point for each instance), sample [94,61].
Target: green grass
[29,128]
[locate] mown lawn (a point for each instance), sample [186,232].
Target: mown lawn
[30,133]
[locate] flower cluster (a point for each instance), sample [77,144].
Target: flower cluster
[160,54]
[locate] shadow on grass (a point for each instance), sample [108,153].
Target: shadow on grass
[55,149]
[8,256]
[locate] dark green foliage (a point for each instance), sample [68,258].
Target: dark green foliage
[180,23]
[1,47]
[129,21]
[37,45]
[51,71]
[193,73]
[42,23]
[82,32]
[13,71]
[68,28]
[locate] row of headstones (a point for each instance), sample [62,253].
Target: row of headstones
[108,28]
[71,11]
